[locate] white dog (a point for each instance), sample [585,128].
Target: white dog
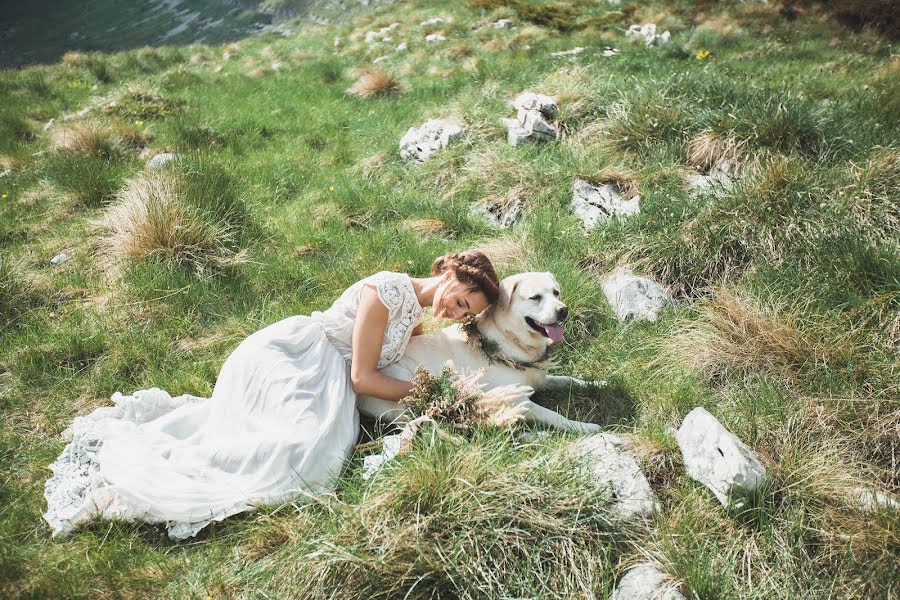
[510,340]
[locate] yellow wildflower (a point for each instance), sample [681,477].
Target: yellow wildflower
[701,54]
[330,188]
[4,196]
[138,123]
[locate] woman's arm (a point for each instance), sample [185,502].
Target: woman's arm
[368,333]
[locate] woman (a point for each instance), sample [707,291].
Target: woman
[282,418]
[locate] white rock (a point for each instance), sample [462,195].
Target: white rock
[389,449]
[49,124]
[613,467]
[380,59]
[382,35]
[59,259]
[161,160]
[545,105]
[434,38]
[402,46]
[595,204]
[502,213]
[572,52]
[433,21]
[645,582]
[870,500]
[607,52]
[503,24]
[419,143]
[632,297]
[6,173]
[720,178]
[647,32]
[717,458]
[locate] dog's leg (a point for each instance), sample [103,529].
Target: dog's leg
[383,410]
[540,414]
[564,382]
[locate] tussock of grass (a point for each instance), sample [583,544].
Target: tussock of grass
[470,521]
[733,336]
[179,216]
[707,149]
[139,102]
[374,82]
[83,139]
[18,295]
[90,179]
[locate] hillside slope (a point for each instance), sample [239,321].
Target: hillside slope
[765,153]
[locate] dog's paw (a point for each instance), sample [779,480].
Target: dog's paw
[586,428]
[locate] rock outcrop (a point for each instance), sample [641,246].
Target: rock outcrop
[718,459]
[533,122]
[633,297]
[419,143]
[647,32]
[595,204]
[645,582]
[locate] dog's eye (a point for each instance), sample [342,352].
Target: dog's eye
[556,293]
[536,298]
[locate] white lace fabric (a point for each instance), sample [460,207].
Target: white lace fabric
[280,423]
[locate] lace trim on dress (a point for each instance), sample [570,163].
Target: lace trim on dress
[404,312]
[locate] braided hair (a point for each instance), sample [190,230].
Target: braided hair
[472,268]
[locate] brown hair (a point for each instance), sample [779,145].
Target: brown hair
[472,268]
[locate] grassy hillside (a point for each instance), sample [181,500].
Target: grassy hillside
[787,326]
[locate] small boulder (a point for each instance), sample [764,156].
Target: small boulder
[609,51]
[645,582]
[59,259]
[633,297]
[382,35]
[419,143]
[647,32]
[499,212]
[432,22]
[720,178]
[595,204]
[434,38]
[503,24]
[380,59]
[402,46]
[161,160]
[871,500]
[716,458]
[532,122]
[614,467]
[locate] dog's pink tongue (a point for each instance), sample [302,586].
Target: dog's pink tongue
[554,332]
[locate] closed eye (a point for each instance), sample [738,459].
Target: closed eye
[536,298]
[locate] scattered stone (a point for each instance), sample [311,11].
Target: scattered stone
[572,52]
[717,458]
[382,35]
[647,32]
[6,173]
[380,59]
[721,177]
[432,22]
[390,447]
[161,160]
[59,259]
[614,467]
[870,500]
[503,24]
[532,122]
[500,212]
[401,47]
[434,38]
[609,51]
[633,297]
[49,124]
[645,582]
[595,204]
[419,143]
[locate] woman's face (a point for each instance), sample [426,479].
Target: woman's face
[454,300]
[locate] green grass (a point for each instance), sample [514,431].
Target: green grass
[786,326]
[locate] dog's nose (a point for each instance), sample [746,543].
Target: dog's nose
[562,313]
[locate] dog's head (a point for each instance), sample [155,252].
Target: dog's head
[532,298]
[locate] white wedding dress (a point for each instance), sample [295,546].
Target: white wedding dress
[281,421]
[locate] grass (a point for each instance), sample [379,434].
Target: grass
[290,188]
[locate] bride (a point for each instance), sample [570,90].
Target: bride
[282,418]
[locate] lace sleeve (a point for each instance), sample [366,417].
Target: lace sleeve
[404,313]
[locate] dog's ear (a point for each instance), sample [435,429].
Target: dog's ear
[507,289]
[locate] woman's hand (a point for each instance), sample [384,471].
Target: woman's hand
[368,333]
